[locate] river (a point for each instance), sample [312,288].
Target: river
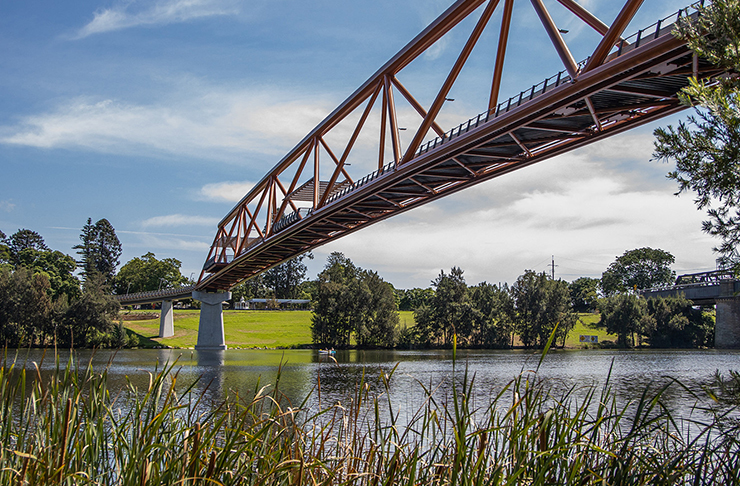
[226,374]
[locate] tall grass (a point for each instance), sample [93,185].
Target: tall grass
[71,429]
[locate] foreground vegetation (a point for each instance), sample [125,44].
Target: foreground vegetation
[73,429]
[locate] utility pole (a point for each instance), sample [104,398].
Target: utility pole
[552,272]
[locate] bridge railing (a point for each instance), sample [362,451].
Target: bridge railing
[697,280]
[291,218]
[390,166]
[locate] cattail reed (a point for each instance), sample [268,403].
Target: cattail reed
[70,429]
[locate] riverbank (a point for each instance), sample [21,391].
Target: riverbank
[280,329]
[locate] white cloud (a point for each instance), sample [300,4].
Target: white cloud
[213,123]
[225,191]
[6,206]
[125,15]
[166,241]
[153,242]
[437,49]
[179,220]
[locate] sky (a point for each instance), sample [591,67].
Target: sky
[160,115]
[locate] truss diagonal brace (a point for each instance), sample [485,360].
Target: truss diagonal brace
[556,38]
[588,17]
[500,54]
[451,77]
[415,104]
[620,23]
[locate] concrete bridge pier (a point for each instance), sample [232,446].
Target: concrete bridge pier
[166,320]
[211,323]
[727,325]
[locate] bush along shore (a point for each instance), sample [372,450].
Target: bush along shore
[70,428]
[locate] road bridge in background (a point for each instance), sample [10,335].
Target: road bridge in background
[322,189]
[718,288]
[210,324]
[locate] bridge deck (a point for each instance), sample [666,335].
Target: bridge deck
[634,85]
[151,297]
[699,293]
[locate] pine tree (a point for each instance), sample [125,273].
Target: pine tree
[109,249]
[86,249]
[99,251]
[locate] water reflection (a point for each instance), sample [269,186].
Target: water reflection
[227,374]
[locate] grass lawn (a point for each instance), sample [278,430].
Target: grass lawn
[243,329]
[285,329]
[587,325]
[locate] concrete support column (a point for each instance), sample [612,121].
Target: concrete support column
[211,324]
[727,324]
[166,320]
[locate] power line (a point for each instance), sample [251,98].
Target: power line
[581,261]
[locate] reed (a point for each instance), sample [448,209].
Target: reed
[71,429]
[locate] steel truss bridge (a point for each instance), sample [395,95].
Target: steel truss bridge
[704,288]
[624,83]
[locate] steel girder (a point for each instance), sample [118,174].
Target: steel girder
[625,83]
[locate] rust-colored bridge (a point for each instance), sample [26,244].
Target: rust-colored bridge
[626,82]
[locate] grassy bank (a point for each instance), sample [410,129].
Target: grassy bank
[243,329]
[72,429]
[587,325]
[282,329]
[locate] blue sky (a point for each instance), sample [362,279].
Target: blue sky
[159,115]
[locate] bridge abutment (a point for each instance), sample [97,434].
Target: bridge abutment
[727,324]
[166,320]
[211,323]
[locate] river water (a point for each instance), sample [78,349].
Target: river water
[305,373]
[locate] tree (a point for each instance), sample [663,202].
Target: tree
[254,288]
[4,249]
[331,323]
[541,303]
[494,315]
[448,313]
[147,273]
[88,321]
[285,279]
[57,267]
[624,315]
[41,302]
[583,295]
[26,248]
[706,148]
[25,307]
[642,268]
[675,323]
[412,299]
[100,249]
[23,239]
[351,301]
[379,323]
